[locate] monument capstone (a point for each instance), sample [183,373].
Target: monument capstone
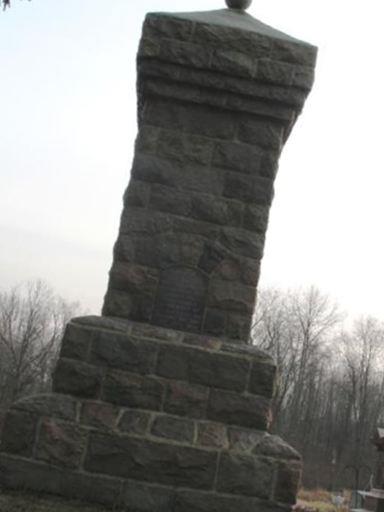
[161,404]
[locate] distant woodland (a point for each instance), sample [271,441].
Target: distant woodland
[329,397]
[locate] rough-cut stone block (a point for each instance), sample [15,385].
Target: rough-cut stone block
[262,380]
[249,189]
[137,194]
[39,477]
[76,342]
[184,148]
[238,157]
[185,399]
[215,322]
[55,405]
[100,415]
[287,482]
[135,422]
[234,63]
[199,367]
[246,475]
[275,72]
[235,409]
[275,447]
[193,119]
[168,27]
[289,51]
[60,444]
[256,218]
[175,429]
[231,296]
[78,379]
[131,390]
[240,269]
[239,326]
[149,461]
[243,243]
[123,352]
[140,497]
[244,440]
[212,435]
[18,433]
[264,134]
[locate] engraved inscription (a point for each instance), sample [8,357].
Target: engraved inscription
[180,299]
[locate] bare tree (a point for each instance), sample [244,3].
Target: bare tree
[32,319]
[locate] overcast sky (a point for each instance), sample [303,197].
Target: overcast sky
[68,123]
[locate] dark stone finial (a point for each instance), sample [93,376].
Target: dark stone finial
[241,5]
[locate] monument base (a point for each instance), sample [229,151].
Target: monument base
[152,419]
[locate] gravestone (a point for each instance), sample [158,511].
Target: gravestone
[161,404]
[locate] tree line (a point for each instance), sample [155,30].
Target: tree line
[330,394]
[329,397]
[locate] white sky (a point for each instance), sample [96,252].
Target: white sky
[68,122]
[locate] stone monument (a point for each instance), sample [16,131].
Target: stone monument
[161,404]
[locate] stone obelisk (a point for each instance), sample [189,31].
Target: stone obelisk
[161,404]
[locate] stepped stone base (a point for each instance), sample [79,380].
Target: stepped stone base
[152,419]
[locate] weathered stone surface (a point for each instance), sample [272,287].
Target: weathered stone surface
[244,440]
[235,409]
[256,218]
[262,380]
[135,422]
[240,269]
[18,433]
[231,296]
[113,350]
[100,415]
[185,399]
[137,194]
[61,444]
[243,243]
[18,473]
[239,326]
[265,134]
[246,475]
[215,322]
[212,435]
[175,429]
[250,189]
[149,461]
[238,157]
[199,367]
[76,342]
[184,148]
[287,482]
[55,405]
[131,390]
[140,497]
[274,446]
[78,379]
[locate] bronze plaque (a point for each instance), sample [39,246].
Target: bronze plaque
[180,299]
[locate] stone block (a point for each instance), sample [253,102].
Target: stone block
[234,63]
[39,477]
[239,269]
[61,444]
[274,72]
[77,379]
[265,134]
[124,352]
[161,463]
[239,326]
[263,379]
[185,399]
[275,447]
[249,189]
[238,157]
[147,139]
[135,422]
[137,194]
[140,497]
[287,482]
[57,406]
[76,342]
[18,433]
[256,218]
[212,435]
[191,118]
[304,77]
[131,390]
[244,440]
[100,415]
[235,409]
[246,475]
[184,148]
[170,200]
[289,51]
[167,27]
[243,243]
[218,211]
[175,429]
[231,296]
[201,367]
